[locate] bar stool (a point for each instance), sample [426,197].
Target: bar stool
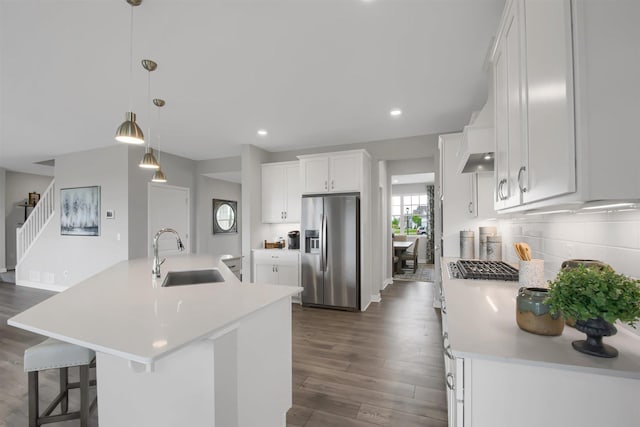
[54,354]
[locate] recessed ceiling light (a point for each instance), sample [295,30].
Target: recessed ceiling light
[396,112]
[262,132]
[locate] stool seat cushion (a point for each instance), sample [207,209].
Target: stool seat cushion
[52,354]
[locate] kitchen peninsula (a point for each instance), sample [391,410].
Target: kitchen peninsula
[209,354]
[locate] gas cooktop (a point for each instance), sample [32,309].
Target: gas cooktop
[483,270]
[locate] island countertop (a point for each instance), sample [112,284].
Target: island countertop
[124,312]
[481,322]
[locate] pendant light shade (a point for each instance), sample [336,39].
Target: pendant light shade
[158,176]
[149,160]
[129,132]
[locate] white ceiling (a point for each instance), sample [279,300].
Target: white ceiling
[311,72]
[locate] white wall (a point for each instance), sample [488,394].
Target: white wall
[56,261]
[18,186]
[216,244]
[400,189]
[180,172]
[3,263]
[253,232]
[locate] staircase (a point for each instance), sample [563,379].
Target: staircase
[35,223]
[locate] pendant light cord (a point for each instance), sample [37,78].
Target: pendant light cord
[158,136]
[148,108]
[131,61]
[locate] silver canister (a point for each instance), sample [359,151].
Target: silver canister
[467,244]
[484,232]
[494,248]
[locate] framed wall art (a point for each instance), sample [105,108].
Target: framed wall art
[80,211]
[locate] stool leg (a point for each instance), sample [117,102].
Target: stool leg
[33,399]
[64,388]
[84,396]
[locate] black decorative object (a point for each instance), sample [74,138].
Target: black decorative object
[595,330]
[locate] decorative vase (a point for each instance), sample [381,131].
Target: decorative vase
[532,314]
[595,330]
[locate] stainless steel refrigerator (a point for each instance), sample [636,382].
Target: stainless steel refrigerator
[330,247]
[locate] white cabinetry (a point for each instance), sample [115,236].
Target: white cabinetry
[234,263]
[281,192]
[340,172]
[467,198]
[556,146]
[277,267]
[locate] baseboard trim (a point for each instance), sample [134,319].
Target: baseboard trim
[376,297]
[386,283]
[27,284]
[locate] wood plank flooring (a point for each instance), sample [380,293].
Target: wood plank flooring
[383,367]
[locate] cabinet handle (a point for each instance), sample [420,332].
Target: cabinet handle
[285,214]
[450,381]
[332,185]
[446,346]
[276,268]
[500,187]
[522,187]
[470,207]
[325,185]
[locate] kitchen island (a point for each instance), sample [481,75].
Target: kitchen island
[197,355]
[500,375]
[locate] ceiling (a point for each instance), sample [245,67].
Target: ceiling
[311,72]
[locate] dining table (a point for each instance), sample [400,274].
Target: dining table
[399,247]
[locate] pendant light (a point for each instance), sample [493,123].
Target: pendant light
[149,161]
[159,176]
[129,132]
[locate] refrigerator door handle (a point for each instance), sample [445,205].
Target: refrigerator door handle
[323,243]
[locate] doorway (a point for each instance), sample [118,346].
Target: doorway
[168,207]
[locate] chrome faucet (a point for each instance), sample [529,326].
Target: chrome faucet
[156,262]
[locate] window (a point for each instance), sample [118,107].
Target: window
[408,212]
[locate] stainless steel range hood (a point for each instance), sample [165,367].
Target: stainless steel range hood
[477,149]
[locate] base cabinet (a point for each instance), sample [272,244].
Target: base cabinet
[277,267]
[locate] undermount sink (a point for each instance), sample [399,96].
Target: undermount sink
[192,277]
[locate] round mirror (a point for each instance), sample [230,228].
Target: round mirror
[225,216]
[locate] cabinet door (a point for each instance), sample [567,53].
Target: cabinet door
[266,273]
[550,108]
[273,193]
[293,194]
[315,175]
[287,274]
[509,118]
[345,173]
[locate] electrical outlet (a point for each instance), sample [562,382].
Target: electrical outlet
[65,273]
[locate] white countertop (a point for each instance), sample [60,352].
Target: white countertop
[481,322]
[122,311]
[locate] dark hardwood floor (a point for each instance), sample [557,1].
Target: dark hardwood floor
[383,367]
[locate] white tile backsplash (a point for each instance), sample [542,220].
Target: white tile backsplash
[612,237]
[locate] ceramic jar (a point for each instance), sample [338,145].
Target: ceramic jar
[532,314]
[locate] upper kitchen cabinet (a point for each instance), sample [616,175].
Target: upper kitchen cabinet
[565,86]
[281,197]
[340,172]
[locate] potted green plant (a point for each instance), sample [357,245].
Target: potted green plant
[595,298]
